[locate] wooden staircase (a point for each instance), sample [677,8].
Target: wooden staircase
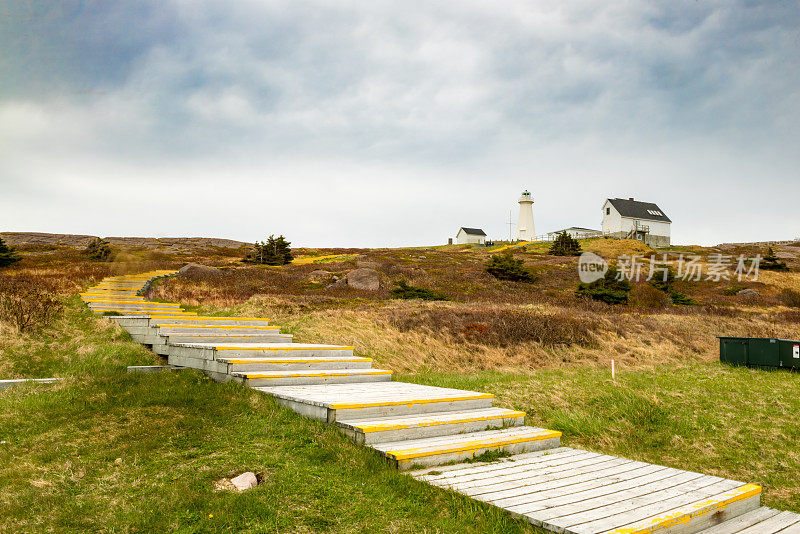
[431,430]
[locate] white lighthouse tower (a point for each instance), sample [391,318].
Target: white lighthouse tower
[526,231]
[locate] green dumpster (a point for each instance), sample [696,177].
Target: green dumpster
[789,351]
[763,352]
[733,350]
[760,352]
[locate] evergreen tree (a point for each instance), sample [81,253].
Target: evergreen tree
[98,249]
[404,291]
[770,262]
[506,267]
[666,283]
[8,254]
[275,251]
[611,289]
[565,245]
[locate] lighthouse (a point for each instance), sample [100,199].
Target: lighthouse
[525,228]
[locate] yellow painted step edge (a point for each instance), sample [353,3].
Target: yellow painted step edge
[408,454]
[380,427]
[276,361]
[684,514]
[220,326]
[269,376]
[213,318]
[408,402]
[282,348]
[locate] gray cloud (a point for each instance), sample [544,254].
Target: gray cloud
[386,123]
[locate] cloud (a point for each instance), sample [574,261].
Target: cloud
[422,117]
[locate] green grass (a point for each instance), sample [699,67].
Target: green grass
[731,422]
[110,451]
[115,452]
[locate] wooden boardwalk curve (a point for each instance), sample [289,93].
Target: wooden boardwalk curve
[429,430]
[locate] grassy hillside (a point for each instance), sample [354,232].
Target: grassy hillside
[109,451]
[105,450]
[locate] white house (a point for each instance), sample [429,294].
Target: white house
[470,235]
[631,219]
[576,232]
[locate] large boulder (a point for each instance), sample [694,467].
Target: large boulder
[364,279]
[198,271]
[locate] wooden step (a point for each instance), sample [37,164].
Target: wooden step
[226,366]
[759,521]
[295,363]
[228,338]
[212,351]
[579,492]
[168,329]
[311,376]
[332,402]
[385,429]
[211,320]
[440,450]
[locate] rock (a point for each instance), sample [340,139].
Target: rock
[368,264]
[748,293]
[245,481]
[365,279]
[195,269]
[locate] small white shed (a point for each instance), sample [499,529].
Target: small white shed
[467,236]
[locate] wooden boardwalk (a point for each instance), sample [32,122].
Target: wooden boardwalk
[429,430]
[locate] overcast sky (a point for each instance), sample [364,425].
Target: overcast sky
[376,123]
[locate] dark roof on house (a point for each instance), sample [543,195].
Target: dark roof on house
[638,210]
[473,231]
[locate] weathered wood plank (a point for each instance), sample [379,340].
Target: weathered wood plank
[777,523]
[737,524]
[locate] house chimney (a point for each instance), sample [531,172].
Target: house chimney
[630,198]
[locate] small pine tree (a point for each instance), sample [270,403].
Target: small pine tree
[506,267]
[275,251]
[611,289]
[8,255]
[770,262]
[404,291]
[98,249]
[565,245]
[666,283]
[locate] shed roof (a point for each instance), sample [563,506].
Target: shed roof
[472,231]
[638,210]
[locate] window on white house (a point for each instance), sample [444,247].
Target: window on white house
[608,211]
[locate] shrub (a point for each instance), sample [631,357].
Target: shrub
[404,291]
[500,327]
[611,289]
[98,250]
[648,296]
[732,290]
[565,245]
[8,254]
[666,283]
[681,299]
[27,307]
[275,251]
[770,262]
[790,298]
[506,267]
